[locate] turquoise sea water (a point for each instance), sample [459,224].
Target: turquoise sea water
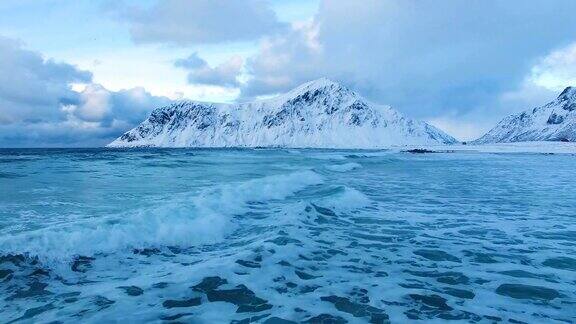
[217,236]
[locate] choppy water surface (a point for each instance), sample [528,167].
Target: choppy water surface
[281,236]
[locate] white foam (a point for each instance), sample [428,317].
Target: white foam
[349,199]
[343,167]
[182,221]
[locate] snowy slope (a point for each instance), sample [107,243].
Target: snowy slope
[555,121]
[320,113]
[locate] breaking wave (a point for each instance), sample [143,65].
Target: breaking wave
[182,221]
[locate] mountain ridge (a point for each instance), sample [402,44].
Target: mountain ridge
[554,121]
[317,114]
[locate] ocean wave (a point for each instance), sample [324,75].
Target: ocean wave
[346,200]
[344,167]
[183,221]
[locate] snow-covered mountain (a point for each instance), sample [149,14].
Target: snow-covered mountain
[320,114]
[555,121]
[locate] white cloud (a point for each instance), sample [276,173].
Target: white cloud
[460,64]
[543,83]
[43,102]
[547,78]
[557,70]
[122,68]
[31,87]
[286,61]
[94,103]
[184,22]
[225,74]
[426,58]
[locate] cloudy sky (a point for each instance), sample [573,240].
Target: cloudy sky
[79,73]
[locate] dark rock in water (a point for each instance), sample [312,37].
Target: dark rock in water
[278,320]
[253,308]
[435,307]
[69,294]
[460,293]
[209,284]
[323,210]
[520,274]
[240,296]
[520,291]
[413,285]
[419,151]
[35,289]
[248,264]
[5,273]
[284,263]
[308,289]
[31,312]
[326,319]
[15,259]
[170,303]
[357,310]
[380,274]
[146,251]
[82,264]
[281,290]
[291,285]
[132,290]
[433,301]
[160,285]
[102,302]
[175,317]
[513,321]
[304,276]
[360,295]
[564,263]
[379,319]
[282,240]
[449,277]
[40,272]
[493,318]
[252,319]
[436,255]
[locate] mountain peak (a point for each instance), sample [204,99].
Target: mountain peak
[554,121]
[568,94]
[318,84]
[317,114]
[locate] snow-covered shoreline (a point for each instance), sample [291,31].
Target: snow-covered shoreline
[515,147]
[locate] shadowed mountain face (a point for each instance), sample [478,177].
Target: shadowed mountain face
[555,121]
[320,113]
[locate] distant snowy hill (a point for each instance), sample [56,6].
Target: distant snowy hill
[319,114]
[555,121]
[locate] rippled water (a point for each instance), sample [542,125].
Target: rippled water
[211,236]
